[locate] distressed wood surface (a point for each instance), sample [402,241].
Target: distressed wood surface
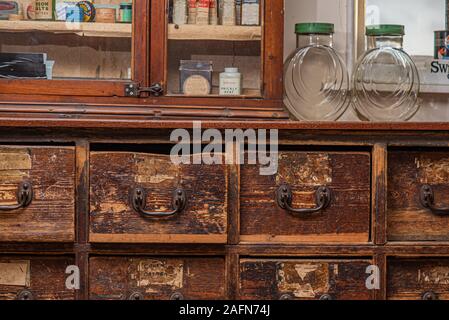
[346,220]
[304,279]
[116,278]
[409,279]
[45,277]
[114,174]
[51,215]
[407,219]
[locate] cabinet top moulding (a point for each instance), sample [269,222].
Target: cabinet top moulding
[86,29]
[212,32]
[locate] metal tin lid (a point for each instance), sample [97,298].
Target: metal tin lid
[314,28]
[385,30]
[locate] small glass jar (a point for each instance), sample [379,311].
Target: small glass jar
[315,77]
[385,80]
[231,82]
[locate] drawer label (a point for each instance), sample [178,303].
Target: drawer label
[153,274]
[303,280]
[154,170]
[310,169]
[15,273]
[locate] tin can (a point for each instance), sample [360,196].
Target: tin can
[442,45]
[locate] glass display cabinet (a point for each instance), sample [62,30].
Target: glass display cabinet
[216,53]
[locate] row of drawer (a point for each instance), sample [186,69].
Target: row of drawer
[195,278]
[315,196]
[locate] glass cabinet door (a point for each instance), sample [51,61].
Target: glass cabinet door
[67,40]
[214,48]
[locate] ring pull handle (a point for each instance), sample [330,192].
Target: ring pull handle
[326,297]
[138,202]
[136,296]
[177,296]
[284,198]
[429,295]
[25,295]
[427,199]
[24,197]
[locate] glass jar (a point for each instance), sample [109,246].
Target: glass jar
[385,80]
[315,77]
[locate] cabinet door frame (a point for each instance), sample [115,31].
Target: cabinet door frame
[272,23]
[90,87]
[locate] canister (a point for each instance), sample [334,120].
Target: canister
[126,12]
[442,45]
[105,13]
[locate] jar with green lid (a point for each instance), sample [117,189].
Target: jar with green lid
[315,77]
[385,80]
[126,12]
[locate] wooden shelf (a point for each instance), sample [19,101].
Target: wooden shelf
[85,29]
[208,32]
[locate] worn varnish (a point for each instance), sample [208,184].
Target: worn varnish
[408,171]
[304,279]
[410,279]
[51,215]
[347,219]
[44,277]
[116,278]
[113,175]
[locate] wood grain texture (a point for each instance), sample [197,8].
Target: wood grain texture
[51,215]
[304,279]
[407,219]
[346,220]
[46,276]
[114,174]
[409,279]
[115,278]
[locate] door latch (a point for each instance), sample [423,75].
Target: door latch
[134,90]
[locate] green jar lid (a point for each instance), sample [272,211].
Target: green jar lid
[385,30]
[315,27]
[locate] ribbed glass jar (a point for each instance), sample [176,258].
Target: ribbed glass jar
[385,80]
[315,77]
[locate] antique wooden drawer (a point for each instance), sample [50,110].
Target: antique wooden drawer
[314,197]
[145,198]
[37,194]
[426,279]
[34,278]
[304,279]
[138,278]
[418,195]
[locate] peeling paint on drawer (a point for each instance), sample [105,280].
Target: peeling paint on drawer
[432,171]
[151,273]
[312,169]
[155,170]
[436,275]
[303,280]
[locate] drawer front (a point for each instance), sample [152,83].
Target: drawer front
[34,278]
[304,279]
[49,213]
[115,178]
[408,219]
[418,279]
[122,278]
[346,217]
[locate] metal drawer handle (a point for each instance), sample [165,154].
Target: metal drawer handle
[25,295]
[24,197]
[284,198]
[138,202]
[427,198]
[429,295]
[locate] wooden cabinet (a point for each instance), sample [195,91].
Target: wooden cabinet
[145,198]
[418,279]
[287,279]
[37,188]
[338,182]
[34,278]
[417,195]
[130,61]
[140,278]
